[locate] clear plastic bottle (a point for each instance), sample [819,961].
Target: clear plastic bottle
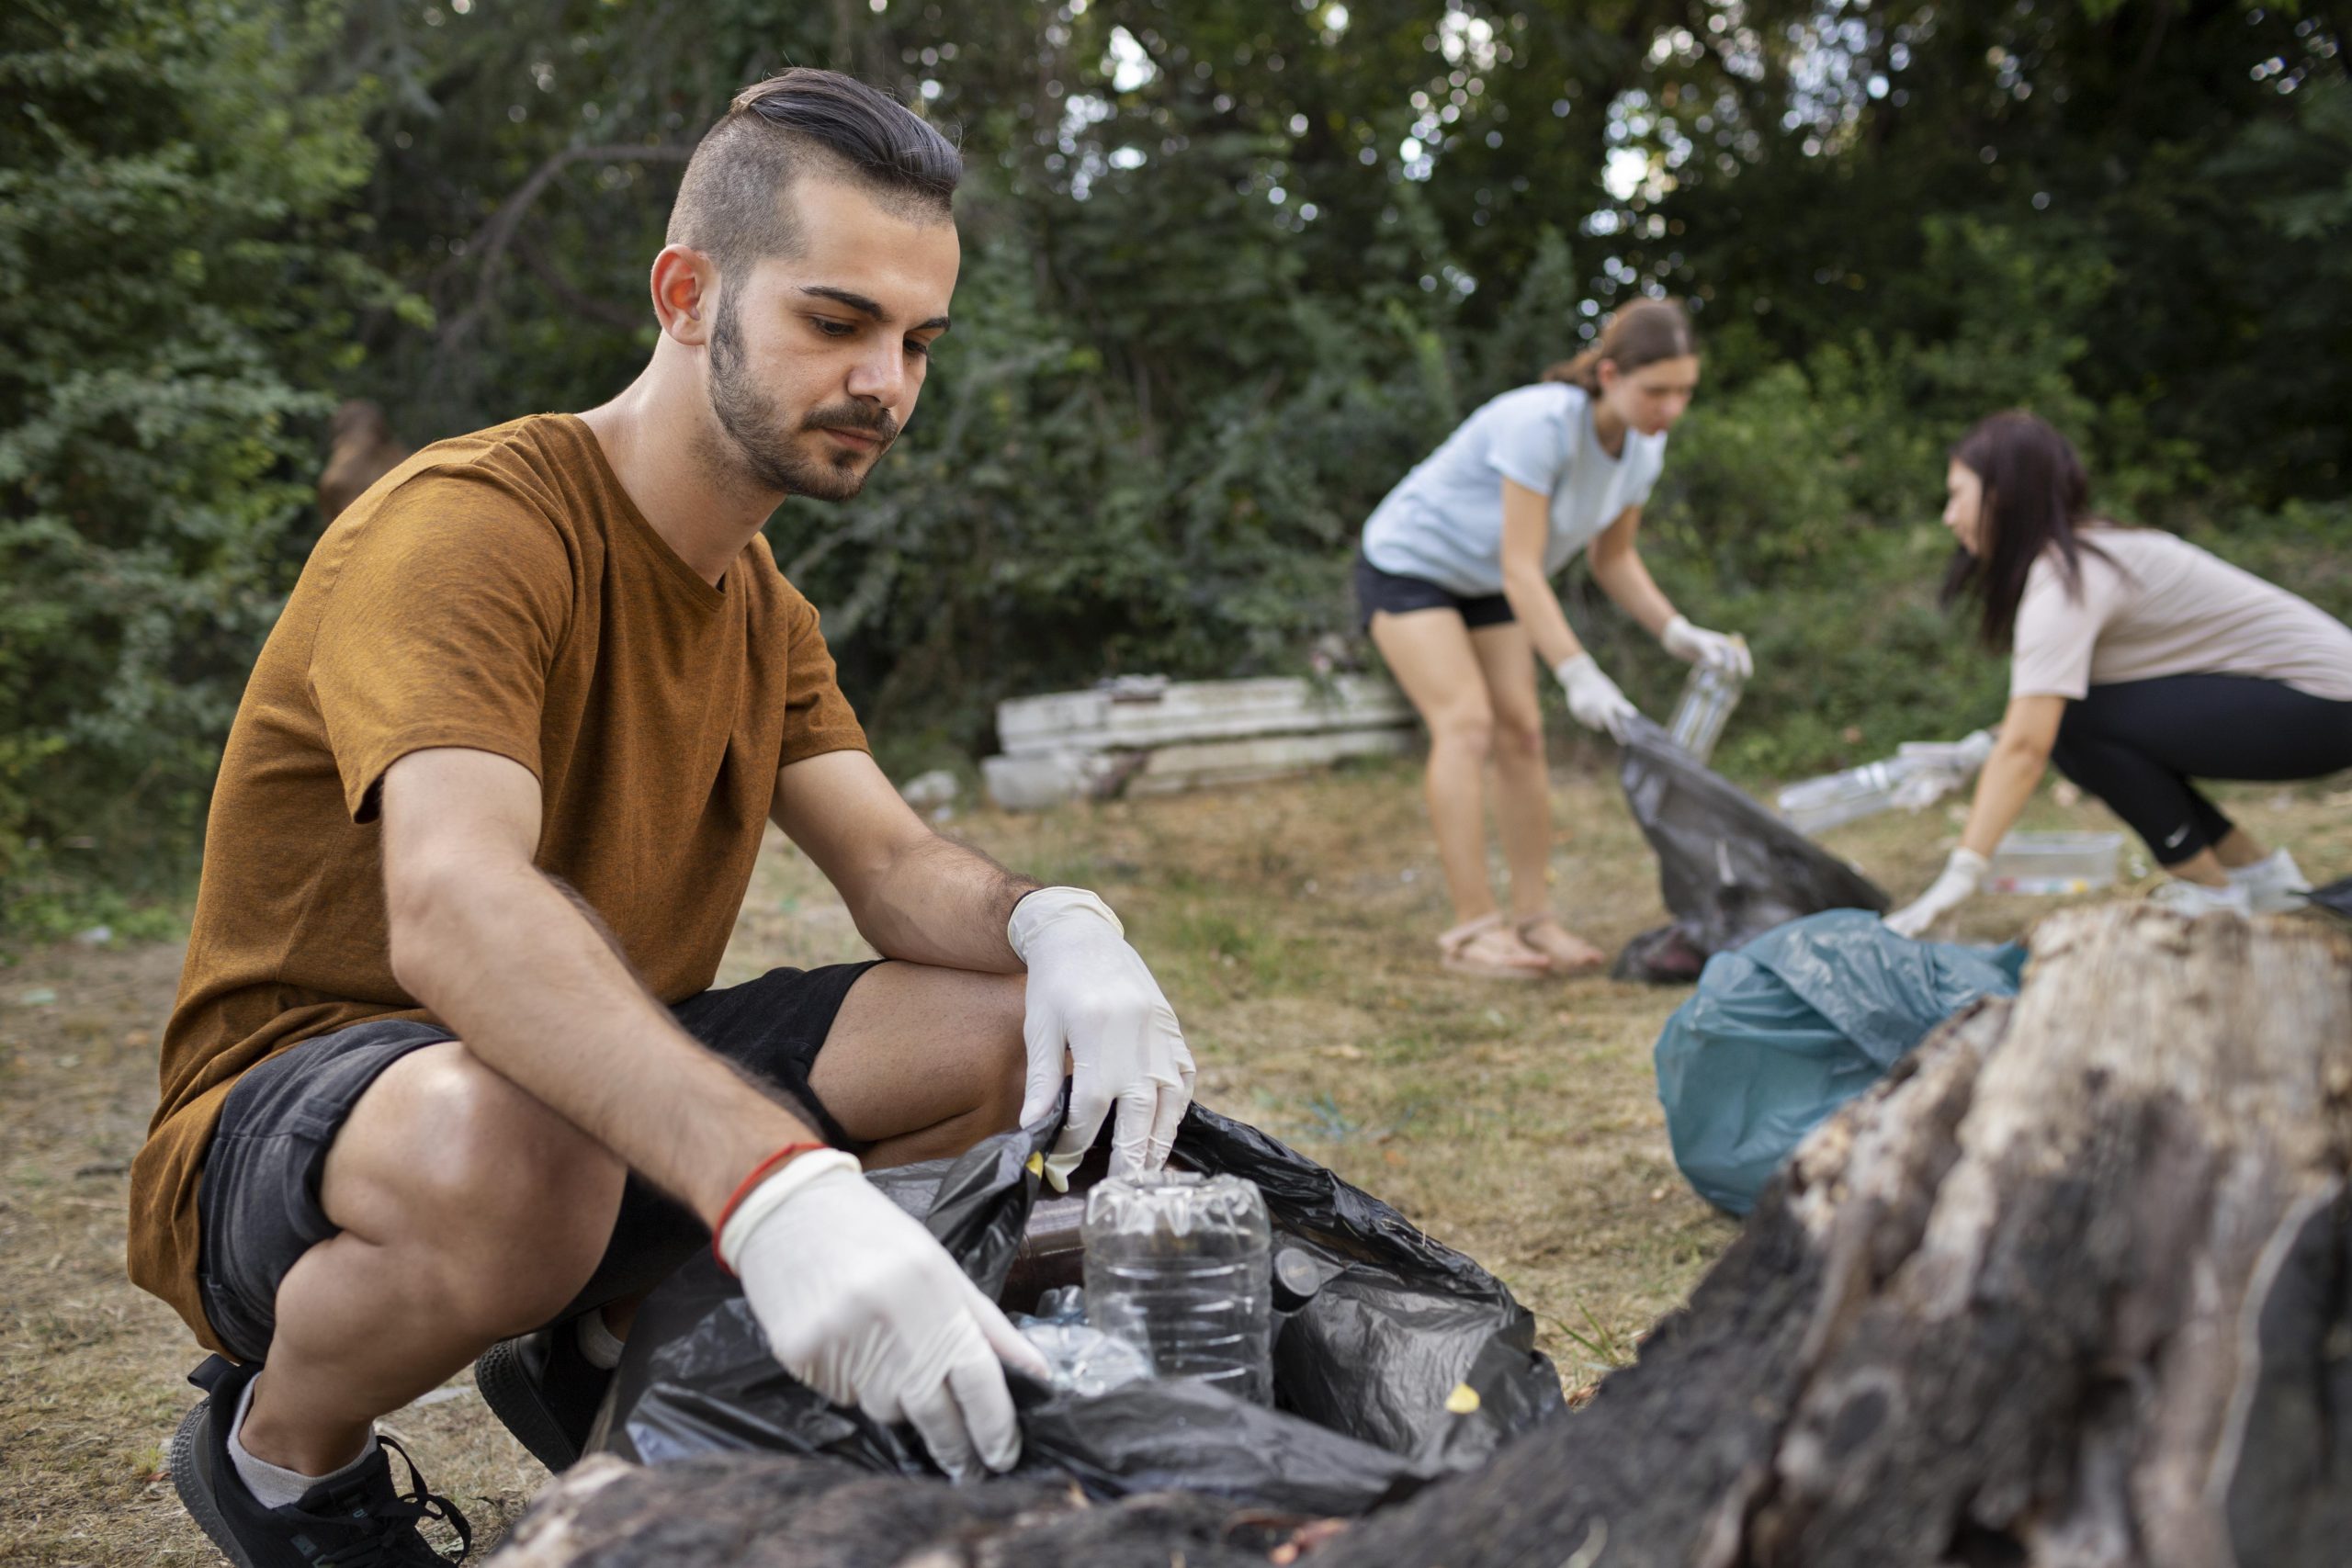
[1918,775]
[1836,798]
[1708,698]
[1181,1266]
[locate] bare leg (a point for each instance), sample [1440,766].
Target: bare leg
[1430,653]
[2204,868]
[468,1210]
[2238,848]
[1523,795]
[1523,782]
[924,1062]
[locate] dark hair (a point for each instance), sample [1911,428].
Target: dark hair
[2034,499]
[805,120]
[1640,333]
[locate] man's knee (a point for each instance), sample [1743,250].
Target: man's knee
[1000,1037]
[503,1203]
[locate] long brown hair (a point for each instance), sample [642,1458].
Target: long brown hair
[2035,498]
[1640,333]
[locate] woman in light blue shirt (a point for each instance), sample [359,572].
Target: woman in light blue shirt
[1455,583]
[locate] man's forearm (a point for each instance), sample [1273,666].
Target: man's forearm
[942,903]
[534,989]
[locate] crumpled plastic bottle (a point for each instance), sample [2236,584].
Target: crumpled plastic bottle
[1084,1360]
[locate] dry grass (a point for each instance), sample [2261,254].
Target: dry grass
[1291,925]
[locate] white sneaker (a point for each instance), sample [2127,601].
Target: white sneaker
[2194,898]
[2274,885]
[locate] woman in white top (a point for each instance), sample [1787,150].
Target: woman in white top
[1454,583]
[2138,663]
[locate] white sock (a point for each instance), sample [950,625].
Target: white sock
[273,1484]
[599,1346]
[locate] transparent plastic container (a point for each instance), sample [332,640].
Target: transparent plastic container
[1820,803]
[1919,773]
[2054,863]
[1083,1359]
[1708,698]
[1181,1267]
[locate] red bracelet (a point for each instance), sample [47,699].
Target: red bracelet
[743,1190]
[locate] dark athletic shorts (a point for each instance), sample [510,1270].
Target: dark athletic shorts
[1378,590]
[258,1202]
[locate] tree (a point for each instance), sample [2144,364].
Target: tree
[177,282]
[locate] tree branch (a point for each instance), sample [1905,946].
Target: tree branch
[496,236]
[571,297]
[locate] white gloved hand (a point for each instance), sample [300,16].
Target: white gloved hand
[1089,990]
[1716,651]
[1962,874]
[1593,698]
[859,1301]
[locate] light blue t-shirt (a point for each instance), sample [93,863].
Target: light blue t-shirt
[1443,522]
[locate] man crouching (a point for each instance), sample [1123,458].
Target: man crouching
[446,1079]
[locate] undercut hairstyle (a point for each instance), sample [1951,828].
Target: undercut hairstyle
[732,204]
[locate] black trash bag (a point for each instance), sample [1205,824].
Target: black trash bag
[1727,868]
[2336,897]
[1396,1360]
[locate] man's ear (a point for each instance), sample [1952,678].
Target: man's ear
[685,294]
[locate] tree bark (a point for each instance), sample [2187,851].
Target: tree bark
[2071,1288]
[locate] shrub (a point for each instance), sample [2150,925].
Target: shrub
[175,291]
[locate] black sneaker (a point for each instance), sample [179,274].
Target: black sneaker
[358,1522]
[544,1391]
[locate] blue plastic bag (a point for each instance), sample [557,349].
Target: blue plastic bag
[1787,1028]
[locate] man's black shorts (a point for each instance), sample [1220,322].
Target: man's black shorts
[1377,590]
[258,1202]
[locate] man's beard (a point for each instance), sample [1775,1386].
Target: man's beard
[768,454]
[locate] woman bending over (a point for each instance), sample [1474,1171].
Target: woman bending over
[2138,662]
[1455,581]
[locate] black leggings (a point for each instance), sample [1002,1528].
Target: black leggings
[2136,745]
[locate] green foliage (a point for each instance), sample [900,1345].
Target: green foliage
[1231,268]
[175,290]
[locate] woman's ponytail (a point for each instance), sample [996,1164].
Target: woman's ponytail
[1584,371]
[1640,333]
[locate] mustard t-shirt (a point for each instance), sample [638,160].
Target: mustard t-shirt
[498,592]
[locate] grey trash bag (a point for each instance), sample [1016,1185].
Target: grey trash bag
[1728,868]
[1396,1360]
[1792,1025]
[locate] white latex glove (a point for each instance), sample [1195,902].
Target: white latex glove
[859,1301]
[1697,645]
[1962,873]
[1089,990]
[1593,698]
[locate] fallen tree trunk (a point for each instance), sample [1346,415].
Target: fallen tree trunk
[2072,1289]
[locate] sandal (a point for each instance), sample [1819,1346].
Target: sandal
[1567,952]
[1485,947]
